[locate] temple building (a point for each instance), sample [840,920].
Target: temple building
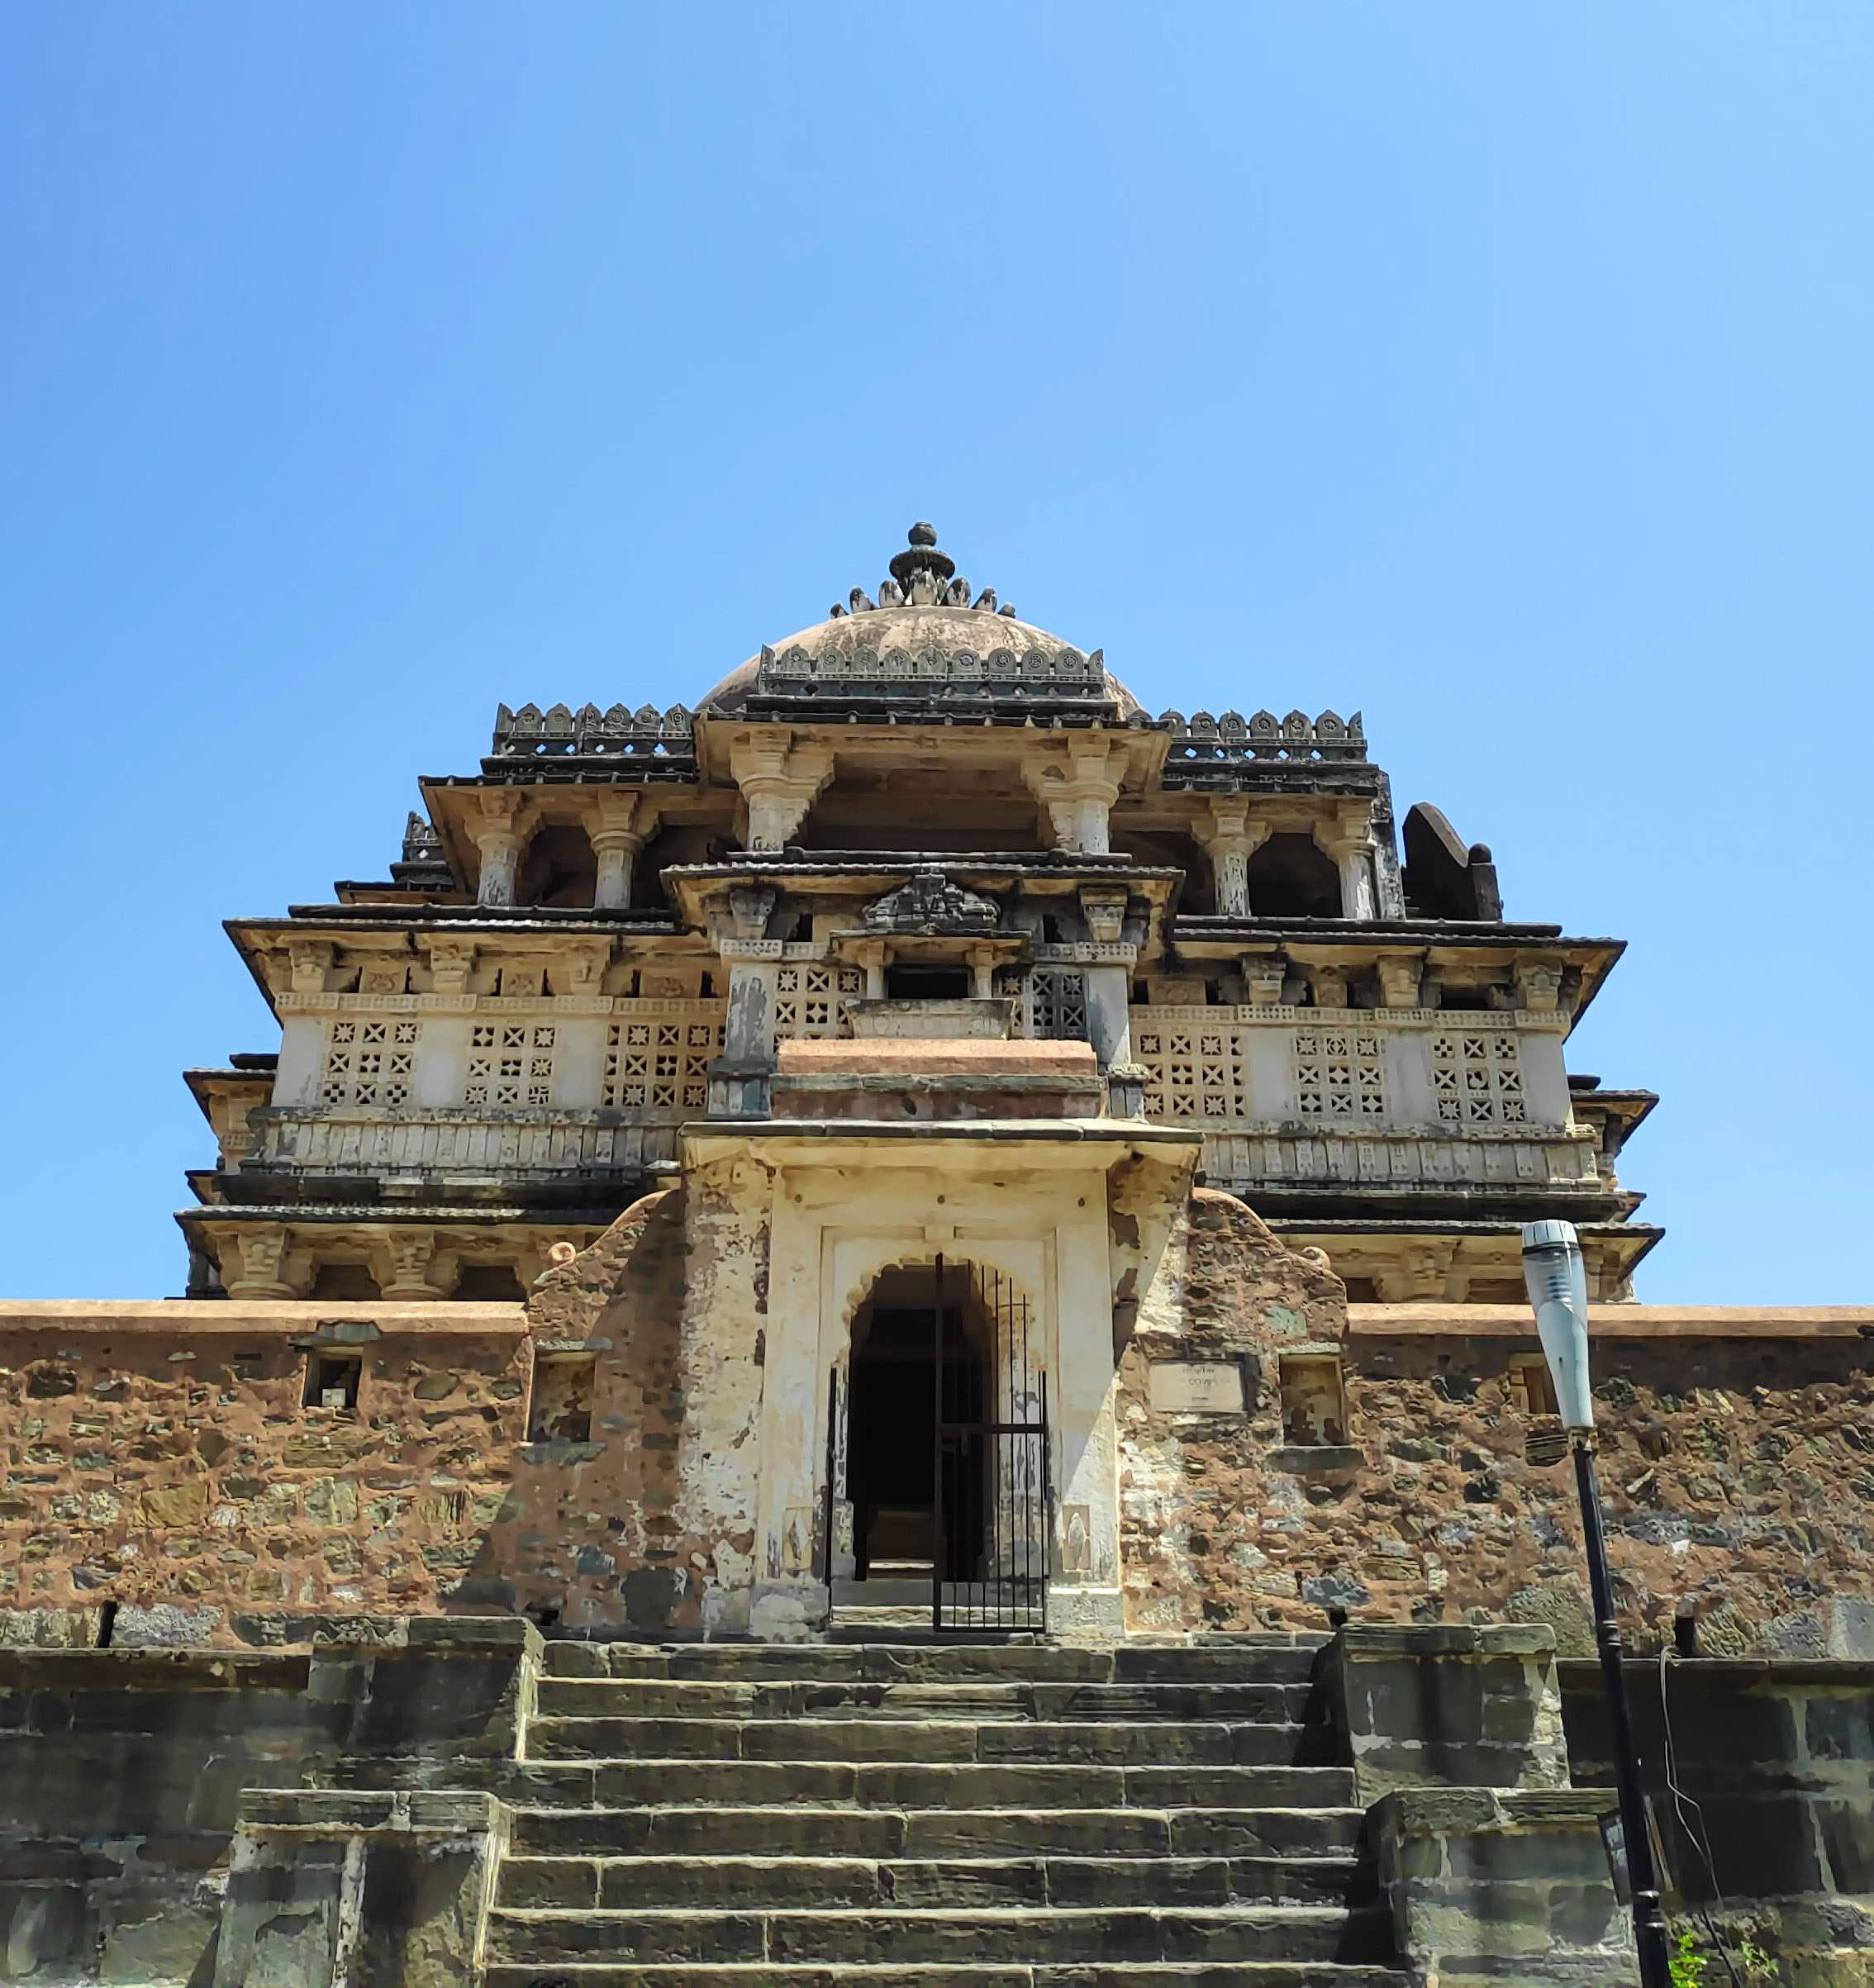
[920,820]
[872,1331]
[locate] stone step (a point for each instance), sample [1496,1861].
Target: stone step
[1275,1831]
[1120,1974]
[626,1883]
[715,1698]
[1244,1661]
[928,1740]
[635,1784]
[899,1591]
[905,1937]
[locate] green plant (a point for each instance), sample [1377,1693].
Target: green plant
[1757,1965]
[1687,1965]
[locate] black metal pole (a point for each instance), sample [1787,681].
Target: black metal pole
[937,1541]
[1650,1920]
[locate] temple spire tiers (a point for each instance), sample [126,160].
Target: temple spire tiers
[922,819]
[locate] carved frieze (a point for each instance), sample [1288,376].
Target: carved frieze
[932,904]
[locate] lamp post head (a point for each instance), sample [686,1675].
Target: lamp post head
[1555,1277]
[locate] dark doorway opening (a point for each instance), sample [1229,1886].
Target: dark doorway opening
[940,1422]
[891,1448]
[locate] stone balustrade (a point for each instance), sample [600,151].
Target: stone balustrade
[518,1145]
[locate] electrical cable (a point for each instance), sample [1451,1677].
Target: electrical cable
[1696,1833]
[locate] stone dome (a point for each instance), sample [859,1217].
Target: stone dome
[923,631]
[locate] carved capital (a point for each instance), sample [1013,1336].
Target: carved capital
[451,961]
[1420,1273]
[310,960]
[1076,781]
[262,1269]
[412,1263]
[1264,974]
[1400,976]
[750,906]
[1539,985]
[780,781]
[1104,908]
[585,963]
[1329,986]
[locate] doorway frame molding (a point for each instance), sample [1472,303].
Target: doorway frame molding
[847,1199]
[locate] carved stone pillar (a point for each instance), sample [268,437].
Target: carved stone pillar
[780,781]
[1077,792]
[1349,840]
[499,841]
[618,842]
[869,956]
[1229,838]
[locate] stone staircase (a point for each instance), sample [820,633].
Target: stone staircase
[950,1815]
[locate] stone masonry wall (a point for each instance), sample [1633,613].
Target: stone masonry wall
[1214,1534]
[1737,1473]
[652,1524]
[181,1476]
[178,1473]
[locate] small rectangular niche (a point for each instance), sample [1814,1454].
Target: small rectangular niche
[1527,1382]
[1314,1406]
[332,1381]
[561,1409]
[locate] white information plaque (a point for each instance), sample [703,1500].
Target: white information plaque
[1196,1387]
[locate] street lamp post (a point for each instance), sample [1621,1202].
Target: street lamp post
[1556,1280]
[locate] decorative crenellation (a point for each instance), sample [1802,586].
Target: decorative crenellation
[1477,1078]
[1263,736]
[812,1001]
[645,733]
[1009,668]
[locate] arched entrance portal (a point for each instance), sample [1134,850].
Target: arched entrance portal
[937,1462]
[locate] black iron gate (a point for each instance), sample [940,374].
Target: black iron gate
[993,1531]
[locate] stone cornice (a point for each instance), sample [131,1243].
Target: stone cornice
[1443,1320]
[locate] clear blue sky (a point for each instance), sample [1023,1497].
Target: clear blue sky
[1501,371]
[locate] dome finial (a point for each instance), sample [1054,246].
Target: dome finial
[923,560]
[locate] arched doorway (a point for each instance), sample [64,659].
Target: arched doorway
[937,1465]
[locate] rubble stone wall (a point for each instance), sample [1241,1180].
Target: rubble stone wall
[168,1481]
[1738,1471]
[181,1476]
